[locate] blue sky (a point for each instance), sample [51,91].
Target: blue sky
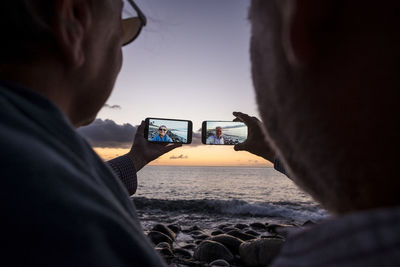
[190,62]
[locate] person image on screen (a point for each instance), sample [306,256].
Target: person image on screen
[216,139]
[162,135]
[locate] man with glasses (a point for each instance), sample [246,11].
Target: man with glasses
[162,135]
[62,205]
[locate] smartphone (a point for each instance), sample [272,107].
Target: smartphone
[223,132]
[168,130]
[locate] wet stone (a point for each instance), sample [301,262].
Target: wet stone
[197,232]
[182,252]
[222,226]
[258,226]
[201,237]
[194,228]
[217,232]
[241,235]
[163,245]
[175,228]
[189,246]
[260,252]
[158,237]
[219,263]
[165,252]
[230,242]
[165,230]
[252,232]
[209,251]
[229,228]
[241,226]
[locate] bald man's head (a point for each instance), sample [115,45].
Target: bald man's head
[326,79]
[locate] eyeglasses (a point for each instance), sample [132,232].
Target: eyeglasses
[133,20]
[161,129]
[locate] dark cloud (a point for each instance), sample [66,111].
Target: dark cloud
[181,156]
[106,133]
[112,106]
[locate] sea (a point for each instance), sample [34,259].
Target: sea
[212,196]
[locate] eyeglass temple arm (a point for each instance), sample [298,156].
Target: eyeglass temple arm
[140,13]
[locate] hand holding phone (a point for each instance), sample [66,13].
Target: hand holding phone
[160,130]
[223,132]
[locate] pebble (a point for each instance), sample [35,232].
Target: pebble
[252,232]
[182,252]
[209,251]
[175,228]
[217,232]
[165,230]
[260,252]
[219,263]
[240,235]
[158,237]
[230,228]
[258,226]
[242,246]
[230,242]
[241,226]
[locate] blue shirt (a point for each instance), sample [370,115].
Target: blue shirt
[63,205]
[166,138]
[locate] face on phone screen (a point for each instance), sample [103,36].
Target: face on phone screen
[223,132]
[168,131]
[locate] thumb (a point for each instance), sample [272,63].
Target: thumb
[239,147]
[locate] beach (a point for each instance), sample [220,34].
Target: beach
[206,202]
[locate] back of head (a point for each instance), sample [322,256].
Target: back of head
[327,84]
[24,25]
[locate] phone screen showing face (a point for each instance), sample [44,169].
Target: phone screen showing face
[223,132]
[168,131]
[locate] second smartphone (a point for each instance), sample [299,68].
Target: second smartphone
[160,130]
[223,132]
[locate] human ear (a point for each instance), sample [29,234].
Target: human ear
[301,23]
[72,21]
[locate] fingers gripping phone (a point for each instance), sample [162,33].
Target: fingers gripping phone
[223,132]
[160,130]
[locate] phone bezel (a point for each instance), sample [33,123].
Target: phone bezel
[204,132]
[189,136]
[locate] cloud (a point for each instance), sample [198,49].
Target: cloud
[181,156]
[107,133]
[112,106]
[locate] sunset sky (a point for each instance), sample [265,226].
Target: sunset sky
[190,62]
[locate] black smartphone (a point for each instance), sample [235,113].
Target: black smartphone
[168,130]
[223,132]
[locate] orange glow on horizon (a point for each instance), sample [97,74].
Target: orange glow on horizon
[195,156]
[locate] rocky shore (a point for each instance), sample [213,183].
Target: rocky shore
[256,244]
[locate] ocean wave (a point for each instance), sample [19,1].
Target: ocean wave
[286,210]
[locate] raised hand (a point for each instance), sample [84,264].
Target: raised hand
[255,143]
[143,152]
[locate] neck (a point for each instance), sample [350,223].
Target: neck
[47,82]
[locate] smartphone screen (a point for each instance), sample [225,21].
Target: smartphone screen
[168,131]
[223,132]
